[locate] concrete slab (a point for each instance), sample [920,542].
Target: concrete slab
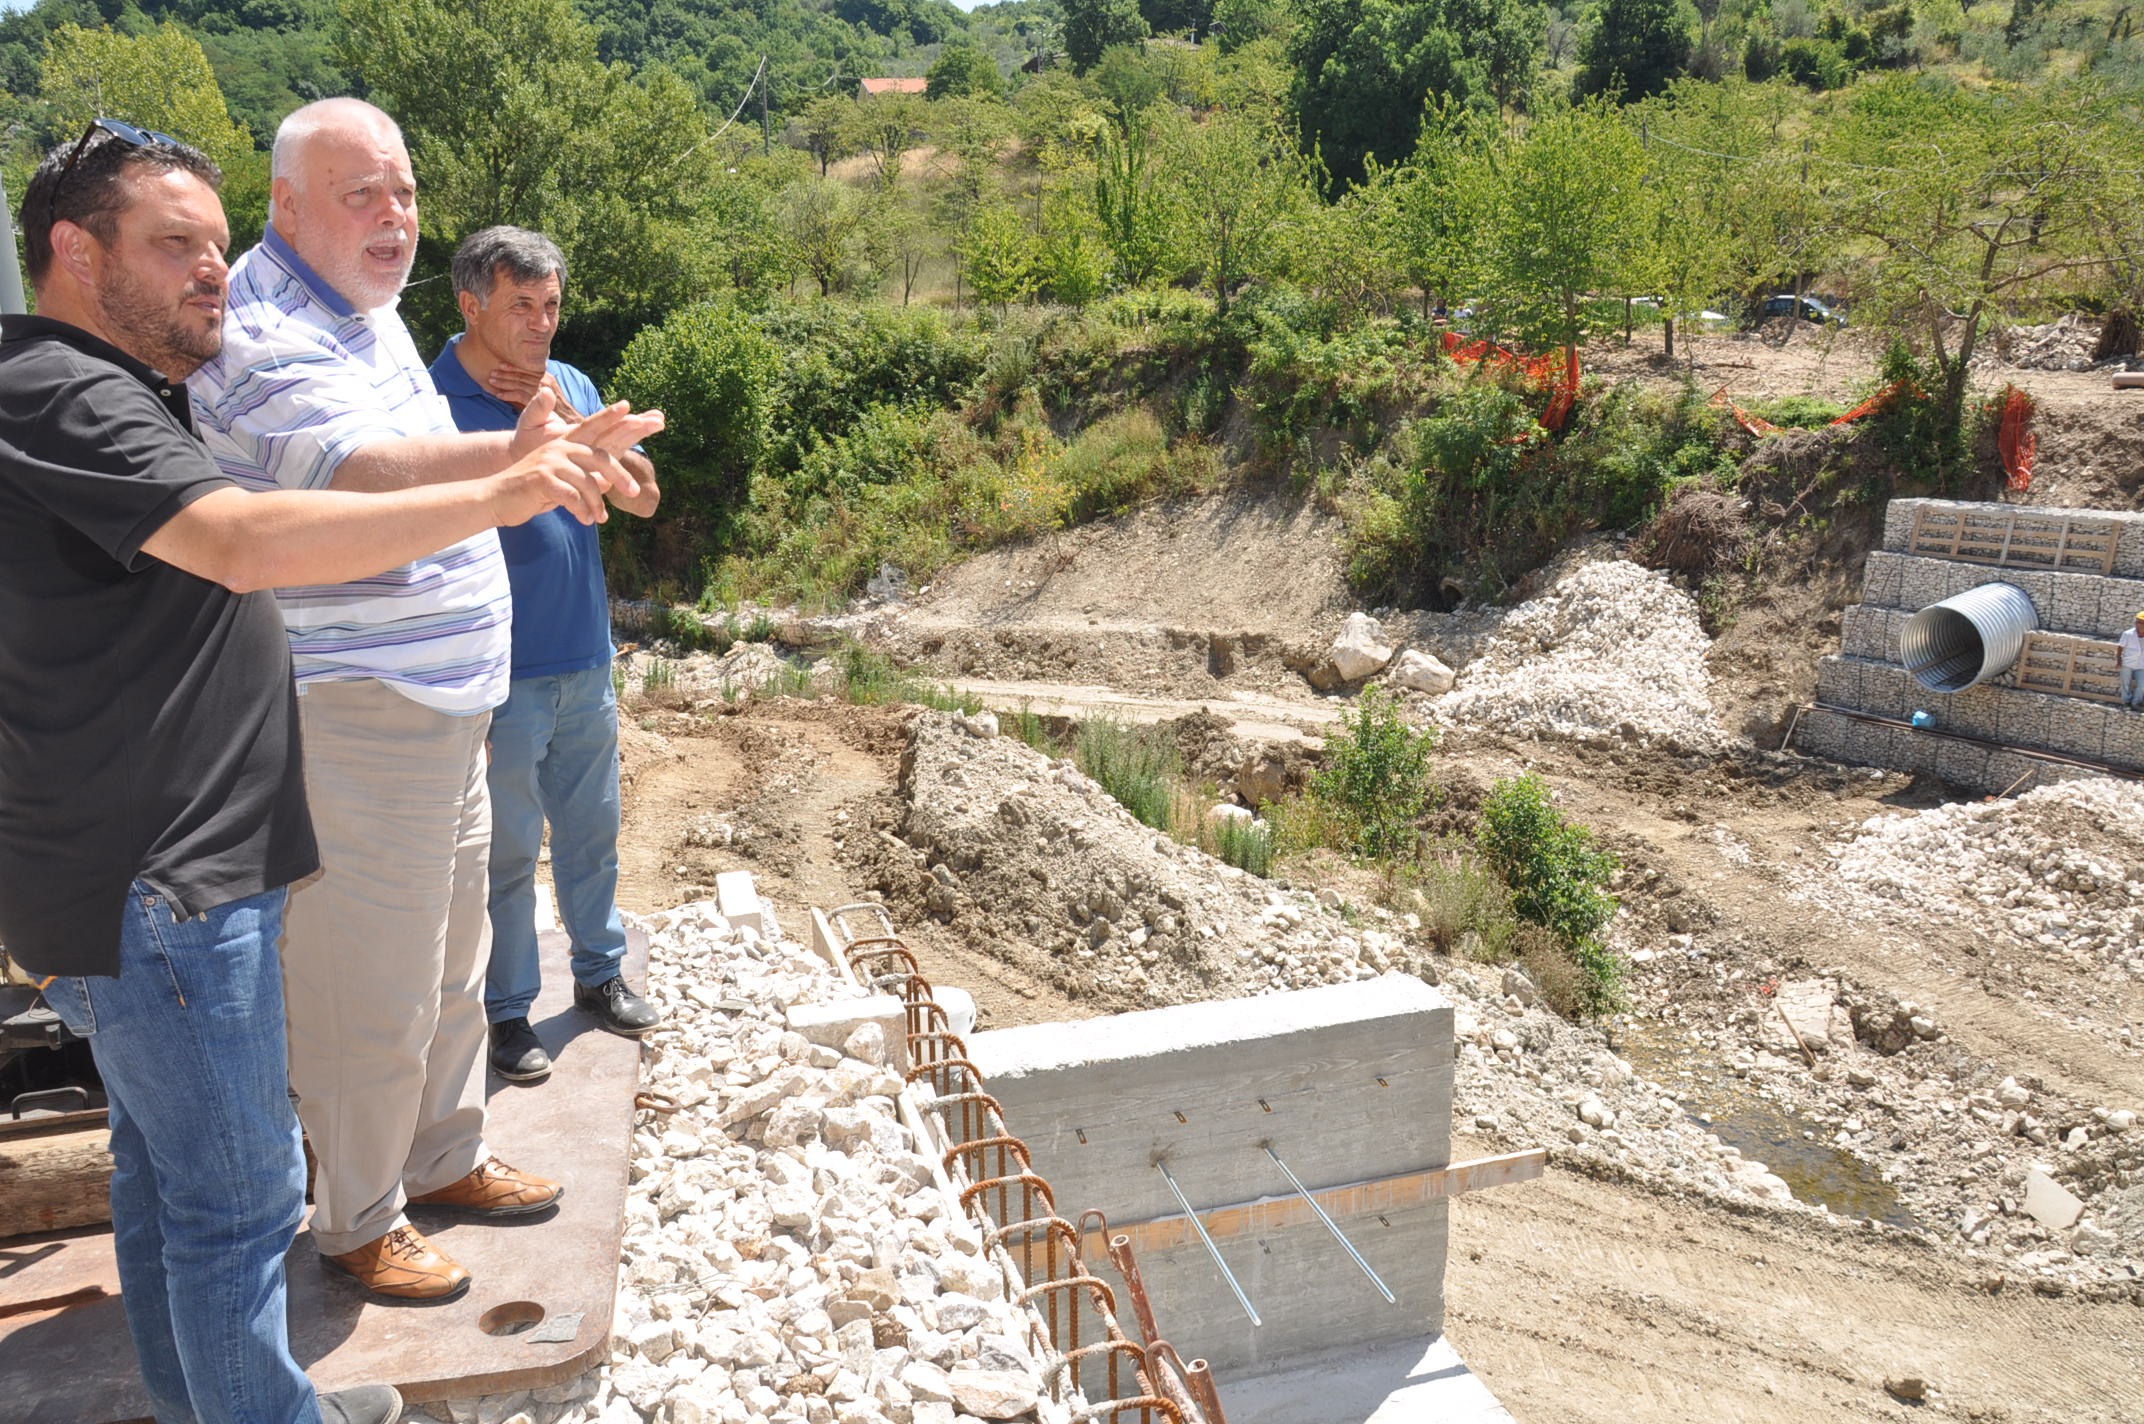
[77,1366]
[737,899]
[1400,1382]
[1349,1084]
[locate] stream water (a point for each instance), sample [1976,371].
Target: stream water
[1794,1150]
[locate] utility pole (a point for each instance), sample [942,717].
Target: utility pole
[766,133]
[11,300]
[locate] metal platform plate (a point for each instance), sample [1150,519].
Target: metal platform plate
[548,1283]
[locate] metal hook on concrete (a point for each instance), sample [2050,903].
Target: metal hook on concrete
[1211,1249]
[1330,1225]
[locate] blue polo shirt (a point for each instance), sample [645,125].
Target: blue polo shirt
[554,562]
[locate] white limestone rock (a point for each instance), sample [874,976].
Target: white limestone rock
[1360,650]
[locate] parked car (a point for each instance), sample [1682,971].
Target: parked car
[1814,309]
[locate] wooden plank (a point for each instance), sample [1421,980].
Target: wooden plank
[2070,667]
[55,1181]
[76,1365]
[1273,1214]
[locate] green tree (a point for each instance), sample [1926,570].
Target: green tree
[1635,48]
[1237,23]
[999,255]
[1131,203]
[828,225]
[1569,224]
[1971,200]
[962,72]
[512,117]
[1376,776]
[1441,202]
[826,127]
[883,127]
[159,80]
[1362,72]
[1235,183]
[1092,26]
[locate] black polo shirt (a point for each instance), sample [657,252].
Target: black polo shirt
[148,726]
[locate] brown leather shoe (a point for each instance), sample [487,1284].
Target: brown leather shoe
[404,1265]
[494,1189]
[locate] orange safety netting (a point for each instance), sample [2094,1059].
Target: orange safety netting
[2016,440]
[1875,402]
[1540,370]
[1756,425]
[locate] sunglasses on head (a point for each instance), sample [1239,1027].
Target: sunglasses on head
[125,133]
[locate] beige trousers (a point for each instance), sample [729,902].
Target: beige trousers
[384,955]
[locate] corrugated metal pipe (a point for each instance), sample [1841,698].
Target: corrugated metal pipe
[1968,639]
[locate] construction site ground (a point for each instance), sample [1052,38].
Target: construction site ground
[1600,1292]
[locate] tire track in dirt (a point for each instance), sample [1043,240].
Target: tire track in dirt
[1579,1300]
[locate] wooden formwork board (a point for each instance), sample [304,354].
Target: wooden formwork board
[2017,539]
[2070,667]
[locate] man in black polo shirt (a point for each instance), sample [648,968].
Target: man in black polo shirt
[152,812]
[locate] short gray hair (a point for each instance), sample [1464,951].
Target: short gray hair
[526,256]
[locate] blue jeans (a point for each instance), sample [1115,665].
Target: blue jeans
[554,756]
[208,1180]
[2132,686]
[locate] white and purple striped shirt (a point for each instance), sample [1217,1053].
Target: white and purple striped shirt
[306,379]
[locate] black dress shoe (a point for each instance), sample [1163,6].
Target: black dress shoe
[516,1053]
[620,1009]
[367,1404]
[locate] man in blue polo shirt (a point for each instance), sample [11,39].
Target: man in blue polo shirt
[554,745]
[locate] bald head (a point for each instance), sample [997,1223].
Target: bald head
[345,199]
[331,117]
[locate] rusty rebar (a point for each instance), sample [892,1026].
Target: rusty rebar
[993,1169]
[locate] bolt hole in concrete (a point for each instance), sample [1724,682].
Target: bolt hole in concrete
[1817,1171]
[512,1318]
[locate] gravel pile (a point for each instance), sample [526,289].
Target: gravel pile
[1611,649]
[1014,846]
[788,1256]
[2054,872]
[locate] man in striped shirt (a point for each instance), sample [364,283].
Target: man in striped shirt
[319,386]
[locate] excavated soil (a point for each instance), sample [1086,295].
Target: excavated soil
[1899,1062]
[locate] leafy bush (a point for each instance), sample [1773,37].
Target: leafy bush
[887,444]
[838,361]
[1138,766]
[1376,776]
[712,372]
[1558,878]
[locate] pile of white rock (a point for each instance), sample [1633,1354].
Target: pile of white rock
[789,1257]
[2057,870]
[1609,649]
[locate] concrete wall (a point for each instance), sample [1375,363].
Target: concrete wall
[1348,1083]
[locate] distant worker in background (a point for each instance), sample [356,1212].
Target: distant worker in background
[554,745]
[152,804]
[2132,646]
[320,387]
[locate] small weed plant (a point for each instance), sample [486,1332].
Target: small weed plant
[1376,777]
[1138,766]
[1558,879]
[1247,845]
[660,675]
